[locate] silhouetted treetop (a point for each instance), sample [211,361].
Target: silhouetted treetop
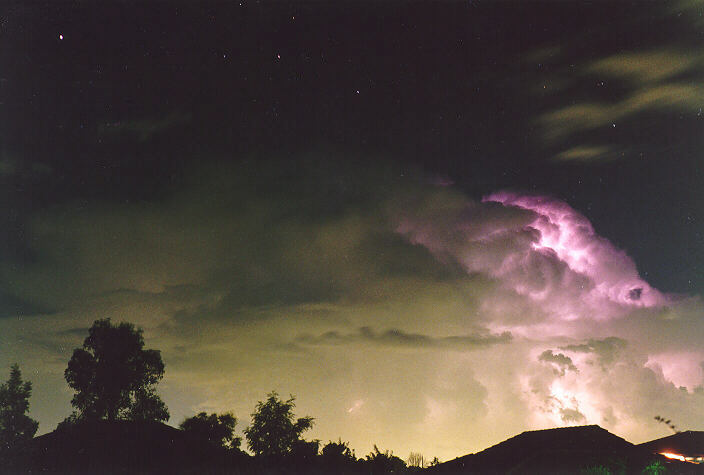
[338,452]
[217,430]
[384,462]
[15,424]
[114,376]
[274,431]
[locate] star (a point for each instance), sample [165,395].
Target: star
[61,37]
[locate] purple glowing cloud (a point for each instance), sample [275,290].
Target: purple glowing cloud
[538,248]
[572,238]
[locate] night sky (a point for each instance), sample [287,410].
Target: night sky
[436,225]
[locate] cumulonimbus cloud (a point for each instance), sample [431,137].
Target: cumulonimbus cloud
[571,237]
[539,248]
[512,311]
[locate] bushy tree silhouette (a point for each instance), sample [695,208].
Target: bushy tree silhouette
[337,452]
[384,462]
[114,376]
[304,449]
[217,430]
[15,424]
[274,430]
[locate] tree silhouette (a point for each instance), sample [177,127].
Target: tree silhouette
[384,462]
[274,430]
[217,430]
[338,452]
[114,376]
[15,425]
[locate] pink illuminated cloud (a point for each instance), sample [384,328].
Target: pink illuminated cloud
[596,343]
[571,237]
[540,249]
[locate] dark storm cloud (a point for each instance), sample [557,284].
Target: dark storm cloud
[572,416]
[12,305]
[396,337]
[417,282]
[234,228]
[606,349]
[562,362]
[236,245]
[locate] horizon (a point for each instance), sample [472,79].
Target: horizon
[435,226]
[677,434]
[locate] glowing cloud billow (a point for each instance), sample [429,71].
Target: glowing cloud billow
[512,311]
[541,250]
[582,317]
[571,237]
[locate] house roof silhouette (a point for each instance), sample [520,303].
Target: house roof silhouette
[561,450]
[689,443]
[125,446]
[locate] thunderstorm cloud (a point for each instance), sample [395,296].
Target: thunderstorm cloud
[398,311]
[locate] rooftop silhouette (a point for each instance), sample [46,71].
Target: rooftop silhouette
[561,450]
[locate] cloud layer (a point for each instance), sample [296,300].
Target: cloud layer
[399,312]
[399,338]
[607,105]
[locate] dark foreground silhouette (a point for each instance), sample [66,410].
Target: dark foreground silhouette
[153,447]
[126,447]
[116,428]
[582,449]
[688,443]
[117,447]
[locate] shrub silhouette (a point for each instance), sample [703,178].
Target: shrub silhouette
[15,425]
[217,430]
[273,430]
[305,450]
[114,376]
[338,452]
[384,462]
